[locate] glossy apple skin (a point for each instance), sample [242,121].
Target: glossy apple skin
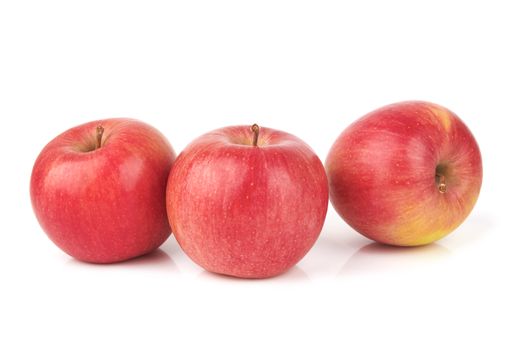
[382,173]
[247,211]
[104,205]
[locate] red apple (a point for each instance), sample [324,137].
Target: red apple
[406,174]
[98,190]
[247,204]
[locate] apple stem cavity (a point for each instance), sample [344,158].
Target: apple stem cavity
[255,129]
[100,132]
[442,186]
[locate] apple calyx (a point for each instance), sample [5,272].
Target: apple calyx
[442,186]
[100,132]
[255,129]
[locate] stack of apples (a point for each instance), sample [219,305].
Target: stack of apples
[250,201]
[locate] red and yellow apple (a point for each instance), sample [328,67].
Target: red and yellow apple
[406,174]
[98,190]
[247,202]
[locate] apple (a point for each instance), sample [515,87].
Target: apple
[98,190]
[406,174]
[246,201]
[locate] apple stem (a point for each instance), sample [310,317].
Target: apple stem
[100,132]
[442,186]
[255,130]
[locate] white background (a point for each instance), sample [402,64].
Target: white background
[306,67]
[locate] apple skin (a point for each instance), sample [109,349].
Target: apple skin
[108,204]
[385,169]
[247,211]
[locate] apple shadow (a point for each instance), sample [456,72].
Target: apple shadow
[339,241]
[377,257]
[330,250]
[294,274]
[157,260]
[474,228]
